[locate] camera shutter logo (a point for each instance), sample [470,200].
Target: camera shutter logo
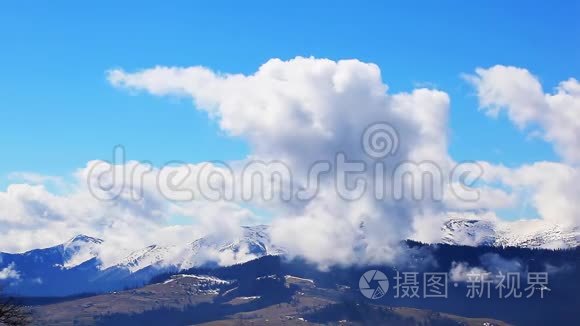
[373,284]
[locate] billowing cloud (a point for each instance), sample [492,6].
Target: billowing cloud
[9,273]
[550,188]
[131,214]
[308,110]
[554,116]
[296,114]
[491,265]
[462,272]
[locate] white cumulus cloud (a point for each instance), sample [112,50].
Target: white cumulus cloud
[555,115]
[305,110]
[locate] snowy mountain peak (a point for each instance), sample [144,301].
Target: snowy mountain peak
[81,238]
[251,243]
[80,249]
[469,232]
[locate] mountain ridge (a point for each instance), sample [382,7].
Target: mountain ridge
[41,271]
[524,234]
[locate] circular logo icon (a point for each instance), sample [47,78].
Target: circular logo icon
[373,284]
[380,140]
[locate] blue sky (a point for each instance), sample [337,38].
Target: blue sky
[58,110]
[77,80]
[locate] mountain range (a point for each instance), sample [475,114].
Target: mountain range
[272,290]
[523,234]
[74,267]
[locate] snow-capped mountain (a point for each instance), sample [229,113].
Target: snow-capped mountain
[524,233]
[253,242]
[79,250]
[41,271]
[68,255]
